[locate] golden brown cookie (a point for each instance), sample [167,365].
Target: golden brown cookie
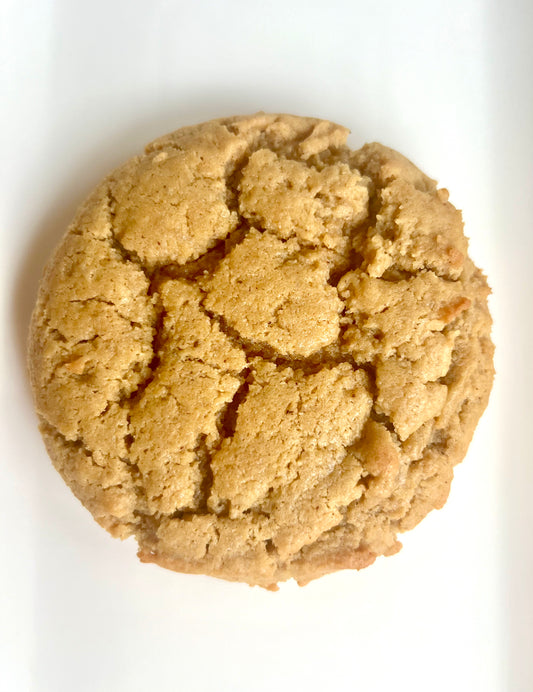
[260,352]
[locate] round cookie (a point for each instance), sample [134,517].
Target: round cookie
[260,352]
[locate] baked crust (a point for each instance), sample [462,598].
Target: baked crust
[260,352]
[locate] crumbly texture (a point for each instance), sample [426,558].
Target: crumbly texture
[260,352]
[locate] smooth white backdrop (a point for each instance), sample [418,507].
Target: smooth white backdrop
[85,85]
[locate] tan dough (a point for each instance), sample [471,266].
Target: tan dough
[261,353]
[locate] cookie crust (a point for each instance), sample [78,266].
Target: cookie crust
[260,352]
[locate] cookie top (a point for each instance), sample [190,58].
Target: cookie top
[260,352]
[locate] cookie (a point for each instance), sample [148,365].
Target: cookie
[260,352]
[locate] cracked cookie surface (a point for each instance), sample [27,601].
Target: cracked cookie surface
[260,352]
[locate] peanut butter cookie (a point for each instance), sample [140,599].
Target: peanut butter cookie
[260,352]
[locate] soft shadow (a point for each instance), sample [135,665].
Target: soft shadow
[512,206]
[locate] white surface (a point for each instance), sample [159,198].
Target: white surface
[85,85]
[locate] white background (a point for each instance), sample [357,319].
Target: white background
[85,85]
